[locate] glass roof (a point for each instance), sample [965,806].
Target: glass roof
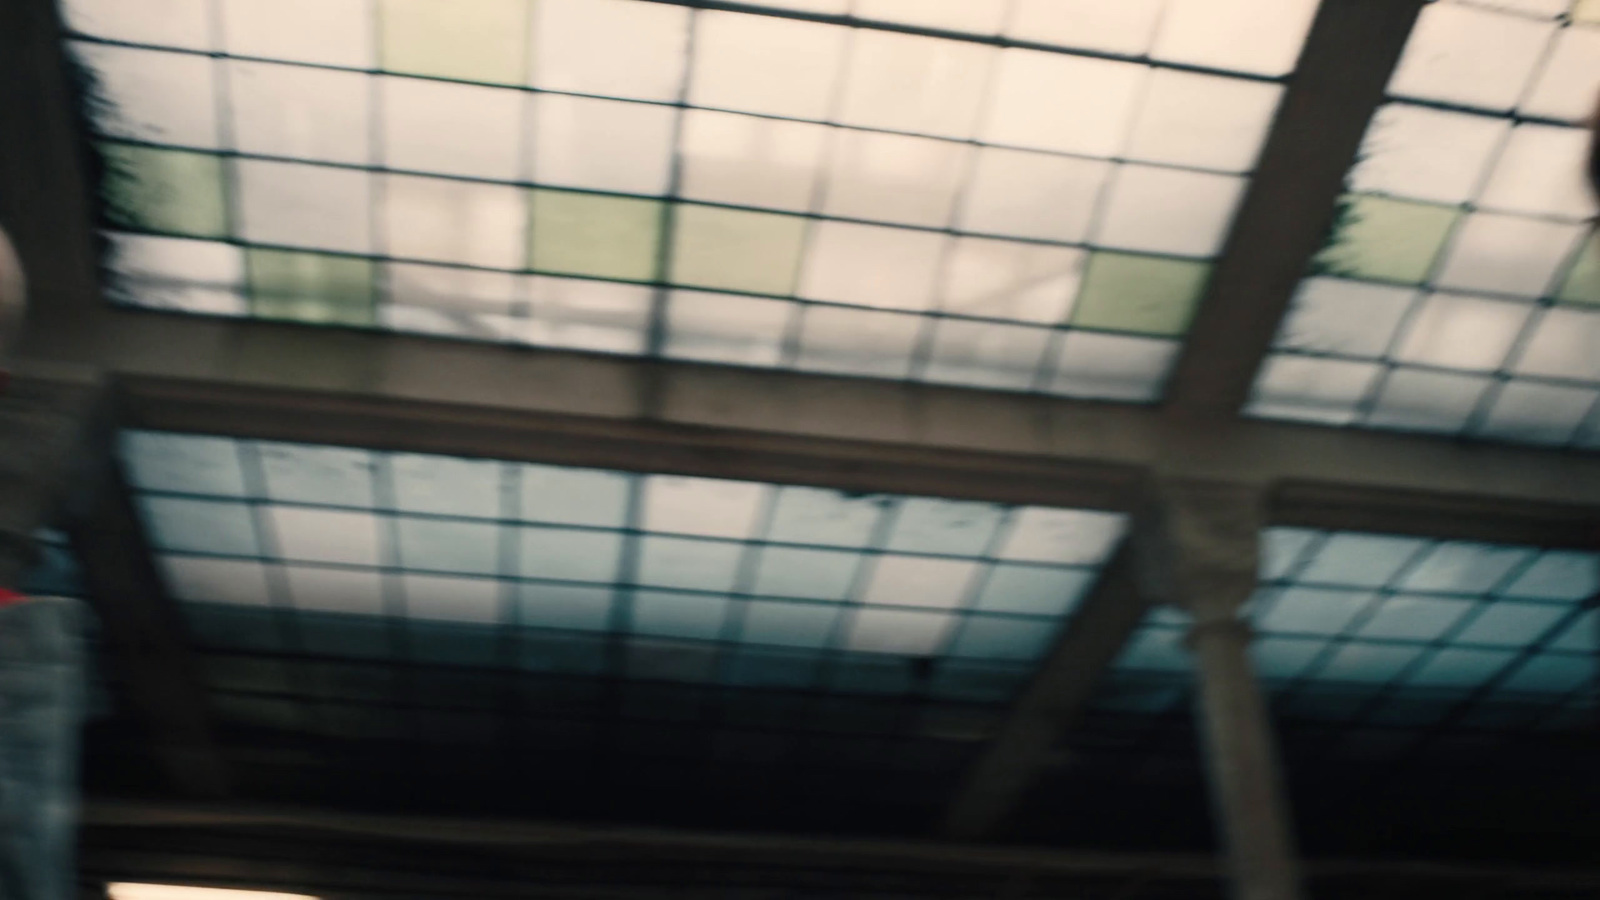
[1021,195]
[330,551]
[1400,635]
[1459,292]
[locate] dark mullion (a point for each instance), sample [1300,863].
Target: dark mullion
[387,523]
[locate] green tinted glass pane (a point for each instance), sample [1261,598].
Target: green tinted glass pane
[587,234]
[1582,284]
[1384,239]
[1141,294]
[311,287]
[475,40]
[172,191]
[735,249]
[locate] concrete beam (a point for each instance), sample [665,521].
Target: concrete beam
[1050,705]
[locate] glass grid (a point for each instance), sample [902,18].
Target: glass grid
[1399,637]
[1459,292]
[853,194]
[306,551]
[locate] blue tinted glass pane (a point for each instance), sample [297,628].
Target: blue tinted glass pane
[574,496]
[818,516]
[671,661]
[678,615]
[1038,590]
[1312,611]
[1553,673]
[186,463]
[1463,568]
[1277,657]
[449,546]
[1367,662]
[1159,649]
[872,674]
[1507,624]
[689,563]
[447,486]
[331,634]
[566,606]
[756,668]
[1124,693]
[56,574]
[1414,618]
[977,683]
[789,624]
[297,473]
[1460,668]
[1360,560]
[1417,708]
[564,555]
[1281,549]
[234,627]
[988,637]
[1582,636]
[1327,704]
[456,645]
[815,574]
[1559,575]
[201,526]
[565,653]
[944,526]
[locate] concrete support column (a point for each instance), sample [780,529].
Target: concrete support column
[1197,545]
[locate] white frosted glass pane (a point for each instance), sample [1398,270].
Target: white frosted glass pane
[893,268]
[814,574]
[177,273]
[1546,9]
[574,496]
[567,555]
[1506,254]
[603,144]
[300,112]
[319,535]
[196,580]
[441,545]
[1565,344]
[455,221]
[819,516]
[330,32]
[1426,154]
[1014,192]
[918,581]
[456,292]
[857,341]
[984,354]
[1047,101]
[1463,568]
[894,178]
[984,637]
[954,527]
[1301,610]
[1458,332]
[1311,390]
[1538,413]
[765,65]
[1470,56]
[304,206]
[565,606]
[619,48]
[453,129]
[1112,366]
[1204,121]
[1541,172]
[1071,536]
[353,592]
[300,473]
[972,16]
[1361,560]
[899,631]
[1011,280]
[183,463]
[729,158]
[447,486]
[1567,85]
[1126,26]
[705,506]
[1261,36]
[830,7]
[147,95]
[689,564]
[585,315]
[1281,550]
[1169,210]
[475,600]
[1415,400]
[1352,318]
[725,328]
[907,82]
[167,23]
[1559,575]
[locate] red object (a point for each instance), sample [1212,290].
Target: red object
[9,597]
